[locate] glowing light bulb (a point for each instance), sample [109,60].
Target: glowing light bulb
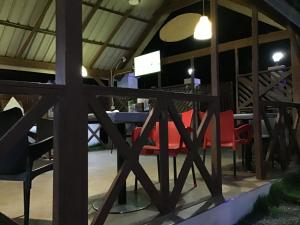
[203,29]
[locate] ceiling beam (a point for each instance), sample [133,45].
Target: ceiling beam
[286,10]
[34,31]
[116,12]
[91,14]
[245,9]
[223,47]
[42,67]
[110,37]
[52,33]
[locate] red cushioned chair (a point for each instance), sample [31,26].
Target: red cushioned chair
[230,137]
[175,143]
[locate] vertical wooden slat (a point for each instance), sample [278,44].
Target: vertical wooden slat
[164,155]
[215,85]
[70,122]
[260,170]
[237,71]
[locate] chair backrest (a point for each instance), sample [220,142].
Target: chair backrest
[173,135]
[187,117]
[226,128]
[14,160]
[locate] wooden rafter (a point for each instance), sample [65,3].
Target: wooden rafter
[35,29]
[110,37]
[91,14]
[116,12]
[244,8]
[241,43]
[42,67]
[52,33]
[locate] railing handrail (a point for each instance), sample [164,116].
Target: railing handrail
[281,104]
[28,88]
[264,71]
[145,93]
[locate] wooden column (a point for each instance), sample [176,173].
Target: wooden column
[295,60]
[215,90]
[260,170]
[70,147]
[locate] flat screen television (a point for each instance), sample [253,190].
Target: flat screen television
[147,64]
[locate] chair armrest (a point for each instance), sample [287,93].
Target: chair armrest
[245,130]
[37,149]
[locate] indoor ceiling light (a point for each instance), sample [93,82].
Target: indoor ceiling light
[84,72]
[134,2]
[203,28]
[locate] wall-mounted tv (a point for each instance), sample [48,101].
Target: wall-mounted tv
[147,64]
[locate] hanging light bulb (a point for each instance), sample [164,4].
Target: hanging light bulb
[84,72]
[203,30]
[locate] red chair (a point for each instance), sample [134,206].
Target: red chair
[230,137]
[175,143]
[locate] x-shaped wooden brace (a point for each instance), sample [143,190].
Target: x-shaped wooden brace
[22,126]
[131,163]
[277,134]
[192,155]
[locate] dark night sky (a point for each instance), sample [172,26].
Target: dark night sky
[232,26]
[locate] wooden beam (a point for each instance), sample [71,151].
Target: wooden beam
[245,9]
[52,33]
[116,12]
[228,46]
[70,177]
[295,60]
[286,10]
[215,91]
[91,14]
[260,169]
[33,33]
[42,67]
[110,37]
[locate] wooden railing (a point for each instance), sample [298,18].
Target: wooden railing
[164,108]
[226,97]
[275,85]
[49,96]
[164,199]
[284,133]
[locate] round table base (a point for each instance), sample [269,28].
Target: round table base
[135,202]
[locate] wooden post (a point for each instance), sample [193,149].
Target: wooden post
[237,72]
[164,155]
[260,170]
[70,123]
[215,90]
[295,60]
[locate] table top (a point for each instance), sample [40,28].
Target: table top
[123,117]
[249,116]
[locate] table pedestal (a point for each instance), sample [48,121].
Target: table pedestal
[135,201]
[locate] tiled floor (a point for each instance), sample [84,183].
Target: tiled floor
[102,170]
